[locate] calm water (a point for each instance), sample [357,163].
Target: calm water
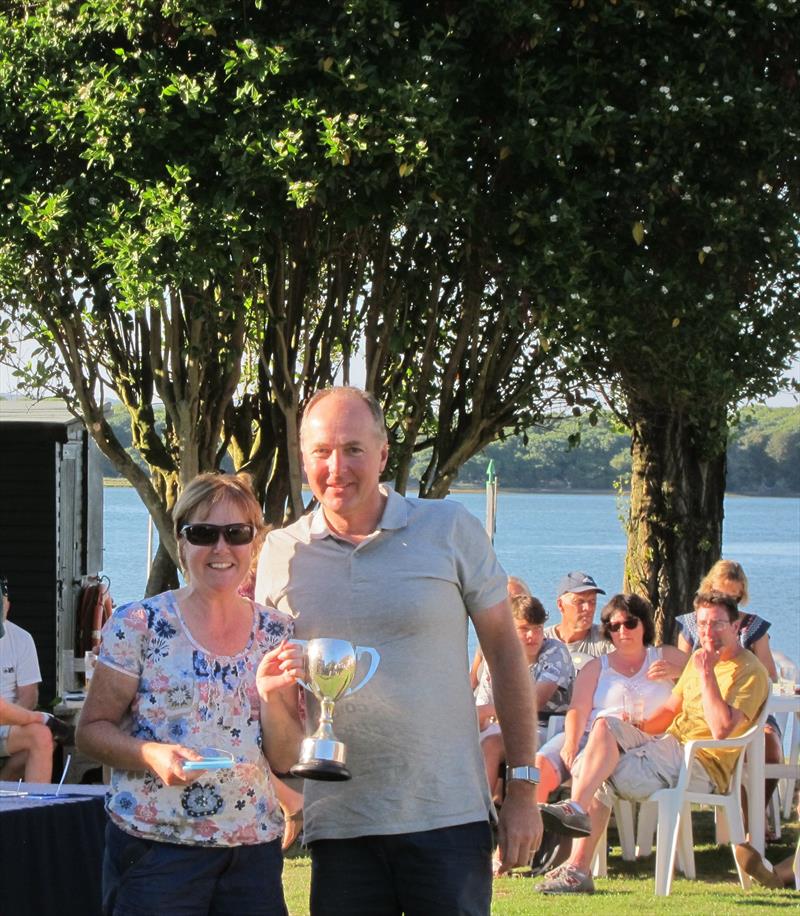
[540,536]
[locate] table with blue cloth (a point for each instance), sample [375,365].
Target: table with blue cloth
[51,849]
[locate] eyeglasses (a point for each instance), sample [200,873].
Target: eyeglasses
[630,623]
[712,624]
[203,535]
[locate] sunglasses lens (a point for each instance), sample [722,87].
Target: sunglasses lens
[236,535]
[201,535]
[207,535]
[629,623]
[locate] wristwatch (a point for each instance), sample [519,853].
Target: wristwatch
[525,773]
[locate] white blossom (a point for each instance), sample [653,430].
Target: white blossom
[674,108]
[727,98]
[553,218]
[707,249]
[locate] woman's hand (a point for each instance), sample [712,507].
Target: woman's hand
[662,670]
[167,760]
[280,667]
[568,753]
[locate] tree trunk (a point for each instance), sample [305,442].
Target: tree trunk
[163,574]
[676,510]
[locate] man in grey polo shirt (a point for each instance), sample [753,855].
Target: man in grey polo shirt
[410,832]
[577,602]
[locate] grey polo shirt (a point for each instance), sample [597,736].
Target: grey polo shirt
[594,644]
[407,590]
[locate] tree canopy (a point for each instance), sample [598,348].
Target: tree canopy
[216,205]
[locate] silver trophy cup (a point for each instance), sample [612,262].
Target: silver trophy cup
[331,666]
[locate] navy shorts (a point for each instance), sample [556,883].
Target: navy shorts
[146,878]
[447,872]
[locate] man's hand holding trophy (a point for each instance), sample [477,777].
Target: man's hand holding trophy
[326,668]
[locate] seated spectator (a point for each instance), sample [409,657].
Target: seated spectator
[577,601]
[515,587]
[784,874]
[26,744]
[719,695]
[602,684]
[728,577]
[19,663]
[551,672]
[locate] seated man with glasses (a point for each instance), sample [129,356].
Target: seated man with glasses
[719,695]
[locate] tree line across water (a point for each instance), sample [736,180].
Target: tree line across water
[571,454]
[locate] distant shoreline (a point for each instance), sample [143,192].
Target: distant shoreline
[122,482]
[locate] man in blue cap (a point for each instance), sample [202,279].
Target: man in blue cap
[577,602]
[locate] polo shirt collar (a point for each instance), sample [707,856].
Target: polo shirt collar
[395,515]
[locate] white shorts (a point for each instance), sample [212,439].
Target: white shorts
[4,733]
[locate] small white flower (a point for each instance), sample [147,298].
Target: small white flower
[642,82]
[640,14]
[709,296]
[727,98]
[674,108]
[767,239]
[771,6]
[609,108]
[731,33]
[664,89]
[707,249]
[642,62]
[533,122]
[732,14]
[396,24]
[664,290]
[553,218]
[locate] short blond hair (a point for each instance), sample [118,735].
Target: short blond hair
[726,571]
[350,392]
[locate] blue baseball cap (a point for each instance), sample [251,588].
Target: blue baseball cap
[578,582]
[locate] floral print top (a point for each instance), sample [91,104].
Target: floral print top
[188,696]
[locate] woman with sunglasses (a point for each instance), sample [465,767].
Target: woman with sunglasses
[194,822]
[606,685]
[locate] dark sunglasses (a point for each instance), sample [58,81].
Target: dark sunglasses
[630,623]
[202,535]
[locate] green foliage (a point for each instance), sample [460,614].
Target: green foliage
[763,455]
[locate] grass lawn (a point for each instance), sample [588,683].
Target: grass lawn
[629,887]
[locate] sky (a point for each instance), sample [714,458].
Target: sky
[784,399]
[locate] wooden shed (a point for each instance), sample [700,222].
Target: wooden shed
[51,526]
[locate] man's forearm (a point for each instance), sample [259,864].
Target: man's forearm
[515,703]
[719,716]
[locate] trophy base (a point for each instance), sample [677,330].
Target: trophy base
[323,770]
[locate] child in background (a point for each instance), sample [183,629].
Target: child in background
[551,671]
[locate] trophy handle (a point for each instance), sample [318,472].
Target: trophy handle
[303,643]
[375,658]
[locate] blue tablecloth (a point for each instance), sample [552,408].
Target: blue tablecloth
[51,850]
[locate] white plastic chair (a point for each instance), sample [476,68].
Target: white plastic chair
[674,830]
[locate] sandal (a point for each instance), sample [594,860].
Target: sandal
[292,828]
